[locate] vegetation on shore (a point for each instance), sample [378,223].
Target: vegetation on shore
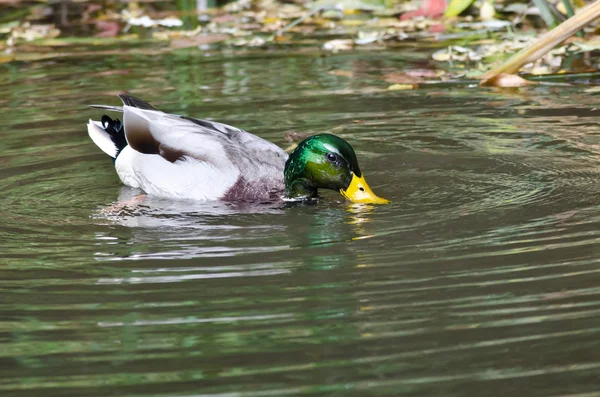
[466,38]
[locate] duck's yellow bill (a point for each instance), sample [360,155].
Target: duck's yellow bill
[359,192]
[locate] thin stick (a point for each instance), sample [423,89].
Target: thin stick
[547,41]
[306,16]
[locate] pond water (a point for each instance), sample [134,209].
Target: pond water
[481,278]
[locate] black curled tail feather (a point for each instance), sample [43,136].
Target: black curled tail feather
[115,129]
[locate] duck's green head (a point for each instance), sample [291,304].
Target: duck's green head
[326,161]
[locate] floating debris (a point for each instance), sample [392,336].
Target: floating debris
[506,81]
[472,43]
[147,22]
[338,45]
[402,87]
[27,32]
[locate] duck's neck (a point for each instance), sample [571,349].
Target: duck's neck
[300,189]
[297,186]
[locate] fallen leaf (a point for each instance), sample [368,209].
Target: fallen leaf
[456,7]
[352,22]
[344,73]
[429,9]
[6,59]
[506,80]
[487,11]
[237,6]
[402,87]
[422,73]
[585,46]
[367,38]
[256,42]
[437,28]
[7,27]
[205,39]
[29,32]
[350,7]
[441,56]
[224,18]
[107,28]
[539,69]
[148,22]
[338,45]
[111,72]
[333,14]
[456,53]
[517,8]
[385,22]
[282,39]
[400,78]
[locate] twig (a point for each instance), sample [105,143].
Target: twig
[547,41]
[305,17]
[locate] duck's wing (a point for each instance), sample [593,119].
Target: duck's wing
[176,138]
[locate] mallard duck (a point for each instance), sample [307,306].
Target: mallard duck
[174,156]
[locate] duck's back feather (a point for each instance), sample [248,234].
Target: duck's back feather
[177,156]
[135,102]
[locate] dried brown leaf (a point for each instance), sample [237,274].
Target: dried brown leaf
[107,28]
[423,73]
[6,59]
[401,78]
[505,80]
[223,18]
[186,42]
[338,45]
[343,73]
[111,72]
[402,87]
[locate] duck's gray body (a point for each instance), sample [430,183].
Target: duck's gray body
[174,156]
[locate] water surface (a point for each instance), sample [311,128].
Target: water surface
[482,278]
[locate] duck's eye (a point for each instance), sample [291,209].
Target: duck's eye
[331,157]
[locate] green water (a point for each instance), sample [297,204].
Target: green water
[482,278]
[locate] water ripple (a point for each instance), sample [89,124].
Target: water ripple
[480,278]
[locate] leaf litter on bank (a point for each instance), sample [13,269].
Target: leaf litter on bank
[471,42]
